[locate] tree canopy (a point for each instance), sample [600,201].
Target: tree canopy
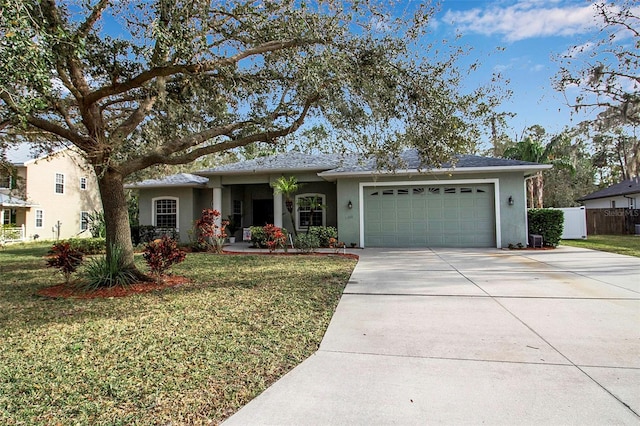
[133,84]
[607,72]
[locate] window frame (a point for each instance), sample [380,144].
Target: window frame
[8,179]
[83,183]
[154,210]
[84,221]
[56,183]
[41,219]
[322,211]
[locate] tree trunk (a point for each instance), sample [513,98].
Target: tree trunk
[116,214]
[530,193]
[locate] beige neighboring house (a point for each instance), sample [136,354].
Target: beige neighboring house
[46,196]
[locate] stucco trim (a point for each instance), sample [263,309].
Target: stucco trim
[496,195]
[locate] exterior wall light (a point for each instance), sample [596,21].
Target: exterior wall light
[510,200]
[349,205]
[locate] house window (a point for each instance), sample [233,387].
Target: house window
[83,183]
[613,204]
[84,221]
[5,181]
[39,218]
[6,217]
[59,183]
[310,210]
[165,212]
[237,213]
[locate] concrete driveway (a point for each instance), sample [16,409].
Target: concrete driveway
[471,336]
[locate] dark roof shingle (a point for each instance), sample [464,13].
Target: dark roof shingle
[626,187]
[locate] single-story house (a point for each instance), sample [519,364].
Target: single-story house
[475,202]
[625,194]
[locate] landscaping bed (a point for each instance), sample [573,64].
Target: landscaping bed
[189,354]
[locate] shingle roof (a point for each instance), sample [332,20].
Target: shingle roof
[412,161]
[630,186]
[180,179]
[9,201]
[290,161]
[331,164]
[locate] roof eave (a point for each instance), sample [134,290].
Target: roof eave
[165,185]
[257,171]
[329,175]
[621,194]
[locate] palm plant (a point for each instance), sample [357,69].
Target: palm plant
[287,186]
[534,151]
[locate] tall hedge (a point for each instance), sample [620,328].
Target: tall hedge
[547,222]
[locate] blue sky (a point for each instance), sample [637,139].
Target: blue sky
[529,33]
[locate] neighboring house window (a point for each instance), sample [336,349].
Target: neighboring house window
[39,218]
[83,183]
[613,204]
[59,183]
[310,210]
[632,203]
[6,217]
[165,212]
[5,181]
[84,221]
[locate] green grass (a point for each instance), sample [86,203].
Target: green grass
[621,244]
[187,355]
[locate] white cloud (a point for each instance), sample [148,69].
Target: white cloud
[525,19]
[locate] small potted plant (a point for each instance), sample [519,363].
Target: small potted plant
[231,229]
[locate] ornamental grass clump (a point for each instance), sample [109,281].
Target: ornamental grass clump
[66,258]
[161,254]
[109,271]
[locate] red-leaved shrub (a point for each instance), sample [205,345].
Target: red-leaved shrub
[161,254]
[65,258]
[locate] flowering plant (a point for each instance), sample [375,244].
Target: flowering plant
[211,230]
[276,237]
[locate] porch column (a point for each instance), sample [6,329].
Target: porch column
[217,203]
[277,209]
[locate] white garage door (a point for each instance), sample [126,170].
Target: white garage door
[429,216]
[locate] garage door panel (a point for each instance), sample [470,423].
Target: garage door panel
[430,215]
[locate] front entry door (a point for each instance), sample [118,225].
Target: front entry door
[262,212]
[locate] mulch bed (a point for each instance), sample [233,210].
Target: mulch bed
[66,291]
[69,291]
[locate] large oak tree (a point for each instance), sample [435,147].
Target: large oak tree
[135,84]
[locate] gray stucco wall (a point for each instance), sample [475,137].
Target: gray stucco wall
[186,200]
[512,218]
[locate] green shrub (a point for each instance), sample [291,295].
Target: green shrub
[258,237]
[546,222]
[142,234]
[106,272]
[88,246]
[324,234]
[306,243]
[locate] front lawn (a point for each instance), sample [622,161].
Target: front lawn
[621,244]
[187,355]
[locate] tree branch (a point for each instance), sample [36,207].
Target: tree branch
[152,73]
[86,26]
[163,156]
[130,124]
